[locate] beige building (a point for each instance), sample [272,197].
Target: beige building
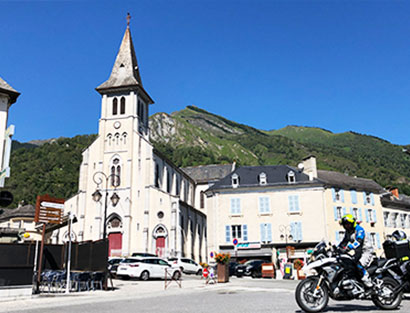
[267,208]
[146,201]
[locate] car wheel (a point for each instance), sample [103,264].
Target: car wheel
[177,275]
[199,273]
[144,275]
[254,274]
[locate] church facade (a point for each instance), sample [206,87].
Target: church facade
[146,201]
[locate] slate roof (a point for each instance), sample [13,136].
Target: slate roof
[125,72]
[7,89]
[339,180]
[389,201]
[276,176]
[208,173]
[23,211]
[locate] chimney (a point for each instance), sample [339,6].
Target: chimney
[309,166]
[233,166]
[395,192]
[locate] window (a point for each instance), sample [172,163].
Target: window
[339,212]
[235,180]
[338,195]
[386,219]
[296,231]
[235,206]
[375,240]
[355,213]
[115,106]
[177,186]
[122,107]
[140,109]
[168,181]
[266,232]
[262,179]
[294,204]
[291,177]
[371,216]
[202,200]
[124,137]
[236,231]
[264,206]
[156,175]
[115,173]
[160,214]
[403,220]
[368,198]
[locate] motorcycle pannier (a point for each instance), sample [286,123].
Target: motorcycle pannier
[396,249]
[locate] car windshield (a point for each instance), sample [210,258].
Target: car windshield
[114,261]
[250,262]
[130,261]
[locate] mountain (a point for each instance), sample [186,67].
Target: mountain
[224,140]
[194,136]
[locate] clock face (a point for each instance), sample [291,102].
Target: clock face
[117,125]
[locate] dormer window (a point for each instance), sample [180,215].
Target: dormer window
[262,179]
[235,180]
[291,177]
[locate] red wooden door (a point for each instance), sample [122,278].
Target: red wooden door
[160,246]
[114,244]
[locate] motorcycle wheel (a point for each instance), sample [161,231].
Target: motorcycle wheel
[385,302]
[305,298]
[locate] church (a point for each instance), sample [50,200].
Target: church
[129,192]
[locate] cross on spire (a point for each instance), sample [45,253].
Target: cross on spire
[128,19]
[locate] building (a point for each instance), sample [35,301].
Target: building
[269,208]
[396,212]
[146,201]
[14,223]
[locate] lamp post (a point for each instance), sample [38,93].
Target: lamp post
[98,178]
[285,235]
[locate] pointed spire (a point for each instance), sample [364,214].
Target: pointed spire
[125,72]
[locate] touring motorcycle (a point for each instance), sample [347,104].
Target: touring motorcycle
[334,274]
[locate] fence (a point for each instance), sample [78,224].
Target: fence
[17,259]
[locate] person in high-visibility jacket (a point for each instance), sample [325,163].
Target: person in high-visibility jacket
[355,239]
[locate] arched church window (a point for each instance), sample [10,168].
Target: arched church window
[115,106]
[156,175]
[109,136]
[118,177]
[122,110]
[117,138]
[113,175]
[124,137]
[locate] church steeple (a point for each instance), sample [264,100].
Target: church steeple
[125,72]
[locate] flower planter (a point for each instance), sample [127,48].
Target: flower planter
[223,273]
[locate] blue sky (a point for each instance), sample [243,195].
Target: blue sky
[337,65]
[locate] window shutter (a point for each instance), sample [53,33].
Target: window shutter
[378,241]
[366,212]
[291,205]
[342,195]
[372,198]
[335,213]
[299,231]
[293,230]
[228,233]
[245,232]
[360,215]
[297,203]
[364,198]
[238,205]
[269,232]
[351,210]
[374,215]
[344,211]
[337,237]
[333,194]
[262,232]
[354,196]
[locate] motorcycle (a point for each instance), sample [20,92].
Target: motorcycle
[336,276]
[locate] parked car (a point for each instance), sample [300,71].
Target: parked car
[187,266]
[146,268]
[232,268]
[142,254]
[113,265]
[250,268]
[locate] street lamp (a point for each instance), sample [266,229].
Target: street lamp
[98,179]
[285,235]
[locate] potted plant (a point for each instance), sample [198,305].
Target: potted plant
[222,259]
[298,264]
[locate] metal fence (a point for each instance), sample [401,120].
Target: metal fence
[17,259]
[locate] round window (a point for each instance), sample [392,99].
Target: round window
[160,214]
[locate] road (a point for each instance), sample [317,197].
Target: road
[238,296]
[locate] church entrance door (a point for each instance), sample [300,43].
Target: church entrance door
[160,247]
[114,244]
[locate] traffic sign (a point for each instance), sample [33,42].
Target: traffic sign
[49,210]
[205,272]
[235,242]
[211,254]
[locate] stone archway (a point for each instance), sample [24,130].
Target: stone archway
[160,234]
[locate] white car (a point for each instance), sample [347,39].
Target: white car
[188,266]
[146,268]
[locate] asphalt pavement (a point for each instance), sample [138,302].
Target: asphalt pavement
[240,295]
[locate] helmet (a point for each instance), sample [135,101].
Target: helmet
[348,219]
[399,235]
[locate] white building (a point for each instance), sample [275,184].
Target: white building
[155,210]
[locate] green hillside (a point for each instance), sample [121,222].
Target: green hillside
[193,136]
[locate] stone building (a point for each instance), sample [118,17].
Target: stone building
[149,202]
